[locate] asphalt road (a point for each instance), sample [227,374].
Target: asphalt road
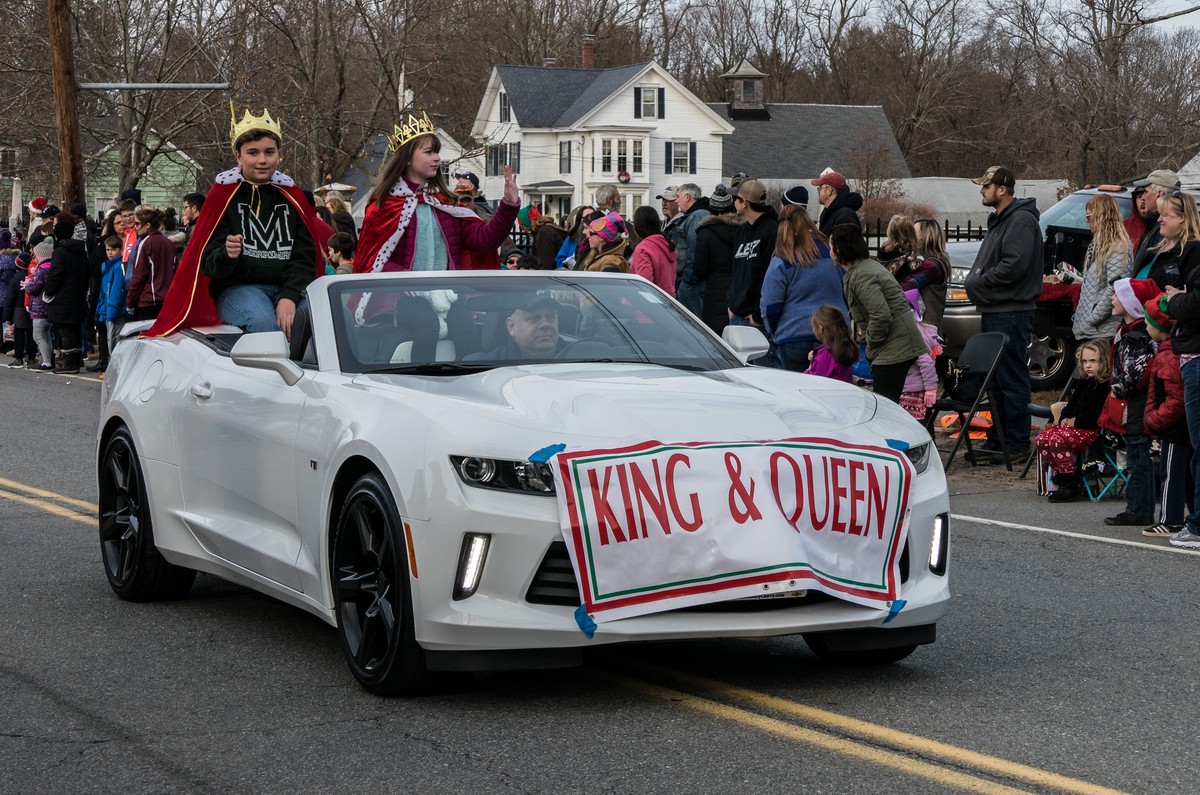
[1064,665]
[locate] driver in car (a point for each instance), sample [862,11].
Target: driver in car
[532,331]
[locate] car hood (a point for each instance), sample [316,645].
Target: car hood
[617,403]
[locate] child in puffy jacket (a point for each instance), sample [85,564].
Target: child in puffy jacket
[1166,420]
[921,383]
[35,285]
[836,351]
[110,308]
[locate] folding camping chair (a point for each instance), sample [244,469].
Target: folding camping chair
[980,356]
[1104,470]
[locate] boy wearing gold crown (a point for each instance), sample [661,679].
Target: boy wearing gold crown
[252,252]
[411,223]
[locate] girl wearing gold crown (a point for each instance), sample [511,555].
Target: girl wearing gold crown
[252,251]
[411,223]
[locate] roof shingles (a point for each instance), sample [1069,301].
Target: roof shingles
[554,97]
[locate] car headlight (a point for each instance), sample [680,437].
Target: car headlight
[503,475]
[918,455]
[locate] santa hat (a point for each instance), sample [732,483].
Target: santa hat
[1156,314]
[1133,295]
[37,205]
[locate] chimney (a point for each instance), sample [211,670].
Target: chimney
[587,51]
[549,61]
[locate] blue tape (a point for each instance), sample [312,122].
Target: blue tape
[585,621]
[543,455]
[897,444]
[894,609]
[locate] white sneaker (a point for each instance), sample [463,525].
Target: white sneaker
[1186,539]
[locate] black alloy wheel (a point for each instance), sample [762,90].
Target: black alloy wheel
[371,592]
[136,570]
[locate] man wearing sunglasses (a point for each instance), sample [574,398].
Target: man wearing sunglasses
[1159,183]
[1005,283]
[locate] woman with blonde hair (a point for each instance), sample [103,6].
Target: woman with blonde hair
[1179,250]
[928,271]
[801,278]
[897,250]
[1109,257]
[339,210]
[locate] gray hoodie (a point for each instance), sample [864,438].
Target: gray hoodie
[1007,275]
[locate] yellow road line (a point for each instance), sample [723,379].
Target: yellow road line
[859,750]
[50,495]
[49,507]
[874,733]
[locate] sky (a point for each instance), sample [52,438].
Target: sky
[1188,20]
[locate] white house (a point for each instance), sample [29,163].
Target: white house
[566,132]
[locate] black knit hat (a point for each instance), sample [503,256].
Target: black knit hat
[797,194]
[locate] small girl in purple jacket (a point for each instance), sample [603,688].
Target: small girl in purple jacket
[836,352]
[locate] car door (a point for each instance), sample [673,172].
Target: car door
[238,439]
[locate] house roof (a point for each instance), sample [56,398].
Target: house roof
[552,97]
[801,139]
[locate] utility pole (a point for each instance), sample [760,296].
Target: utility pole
[66,106]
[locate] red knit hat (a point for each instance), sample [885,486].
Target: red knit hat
[1156,314]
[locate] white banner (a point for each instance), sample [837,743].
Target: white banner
[655,527]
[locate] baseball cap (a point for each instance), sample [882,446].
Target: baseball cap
[997,175]
[738,179]
[469,176]
[1164,178]
[668,195]
[832,179]
[753,191]
[539,300]
[50,211]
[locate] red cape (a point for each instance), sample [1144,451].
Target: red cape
[188,302]
[379,223]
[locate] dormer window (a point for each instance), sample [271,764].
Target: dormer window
[648,102]
[505,111]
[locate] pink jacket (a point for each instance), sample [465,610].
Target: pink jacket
[654,261]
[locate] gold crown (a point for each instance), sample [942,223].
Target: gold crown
[413,128]
[251,122]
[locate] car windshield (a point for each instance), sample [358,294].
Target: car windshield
[1070,213]
[444,324]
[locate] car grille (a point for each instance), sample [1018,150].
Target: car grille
[554,584]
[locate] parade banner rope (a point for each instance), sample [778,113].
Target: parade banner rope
[654,527]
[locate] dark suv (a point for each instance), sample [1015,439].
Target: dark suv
[1052,346]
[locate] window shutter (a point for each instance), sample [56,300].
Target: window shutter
[692,157]
[516,158]
[637,103]
[670,155]
[662,103]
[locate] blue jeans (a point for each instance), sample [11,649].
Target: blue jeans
[794,355]
[1191,404]
[251,306]
[1011,389]
[1139,494]
[691,296]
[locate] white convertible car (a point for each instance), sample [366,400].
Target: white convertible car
[485,470]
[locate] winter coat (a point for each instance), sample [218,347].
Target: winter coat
[111,304]
[8,272]
[344,222]
[1007,275]
[1171,267]
[609,258]
[1165,417]
[823,364]
[1126,404]
[548,238]
[842,210]
[713,265]
[34,288]
[1085,403]
[684,237]
[13,309]
[67,283]
[792,292]
[883,317]
[150,277]
[922,376]
[1093,316]
[929,278]
[753,247]
[654,261]
[1184,309]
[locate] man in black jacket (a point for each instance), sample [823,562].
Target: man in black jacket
[1005,283]
[753,247]
[841,204]
[1157,184]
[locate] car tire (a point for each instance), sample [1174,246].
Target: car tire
[135,569]
[372,595]
[857,657]
[1051,361]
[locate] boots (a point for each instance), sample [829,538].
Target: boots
[1070,487]
[71,360]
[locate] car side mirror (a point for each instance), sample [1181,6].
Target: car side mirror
[266,350]
[746,341]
